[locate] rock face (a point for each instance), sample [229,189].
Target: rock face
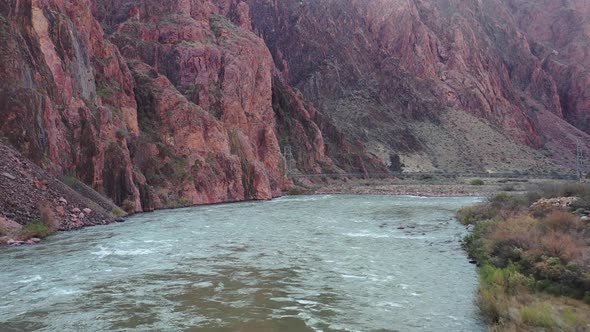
[415,78]
[66,94]
[174,108]
[204,93]
[560,36]
[170,103]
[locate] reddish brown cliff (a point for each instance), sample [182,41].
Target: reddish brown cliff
[560,37]
[211,57]
[178,111]
[402,76]
[66,94]
[179,102]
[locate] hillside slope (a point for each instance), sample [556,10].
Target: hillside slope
[444,84]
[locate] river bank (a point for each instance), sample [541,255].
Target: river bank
[533,252]
[66,208]
[427,187]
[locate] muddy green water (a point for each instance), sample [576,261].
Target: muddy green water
[306,263]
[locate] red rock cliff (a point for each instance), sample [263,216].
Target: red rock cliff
[174,108]
[188,102]
[423,78]
[66,95]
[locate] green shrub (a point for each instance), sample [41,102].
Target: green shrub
[118,212]
[507,280]
[473,214]
[477,182]
[497,287]
[473,243]
[35,229]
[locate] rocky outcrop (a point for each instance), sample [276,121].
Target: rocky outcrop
[67,95]
[203,87]
[554,203]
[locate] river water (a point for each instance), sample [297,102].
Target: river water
[302,263]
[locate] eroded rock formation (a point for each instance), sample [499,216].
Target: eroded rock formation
[174,107]
[177,102]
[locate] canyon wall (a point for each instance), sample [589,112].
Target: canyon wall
[429,79]
[56,69]
[157,103]
[177,102]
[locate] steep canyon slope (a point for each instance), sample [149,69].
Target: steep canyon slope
[176,102]
[445,84]
[174,107]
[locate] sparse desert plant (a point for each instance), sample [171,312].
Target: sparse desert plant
[508,188]
[538,314]
[48,217]
[568,189]
[118,212]
[128,205]
[563,246]
[562,221]
[477,182]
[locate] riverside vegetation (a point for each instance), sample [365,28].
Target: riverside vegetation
[534,256]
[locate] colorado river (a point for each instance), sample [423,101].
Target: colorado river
[303,263]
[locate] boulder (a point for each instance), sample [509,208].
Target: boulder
[557,202]
[8,175]
[87,210]
[60,210]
